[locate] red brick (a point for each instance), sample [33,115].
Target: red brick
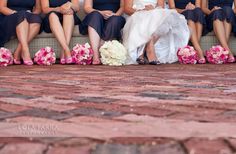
[12,107]
[188,96]
[169,148]
[204,146]
[23,148]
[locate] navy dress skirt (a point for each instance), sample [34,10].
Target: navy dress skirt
[226,13]
[8,23]
[57,3]
[195,15]
[107,29]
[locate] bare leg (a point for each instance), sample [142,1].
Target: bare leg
[58,31]
[22,34]
[199,29]
[17,53]
[95,43]
[68,26]
[155,38]
[195,40]
[228,29]
[33,31]
[221,34]
[150,50]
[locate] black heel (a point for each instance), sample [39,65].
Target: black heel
[142,60]
[156,62]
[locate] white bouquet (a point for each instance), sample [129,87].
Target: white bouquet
[113,53]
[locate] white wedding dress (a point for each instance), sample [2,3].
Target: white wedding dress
[170,26]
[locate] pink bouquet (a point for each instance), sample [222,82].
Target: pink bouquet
[217,55]
[187,55]
[45,56]
[82,54]
[6,57]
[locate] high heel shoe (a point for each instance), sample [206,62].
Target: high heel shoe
[16,62]
[69,60]
[231,59]
[28,62]
[201,61]
[154,62]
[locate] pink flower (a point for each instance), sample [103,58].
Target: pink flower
[6,57]
[187,55]
[217,55]
[82,54]
[45,56]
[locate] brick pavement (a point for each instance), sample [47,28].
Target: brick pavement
[167,109]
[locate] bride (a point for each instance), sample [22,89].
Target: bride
[152,35]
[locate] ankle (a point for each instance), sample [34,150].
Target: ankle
[62,56]
[151,56]
[231,54]
[26,56]
[16,57]
[96,55]
[201,56]
[67,54]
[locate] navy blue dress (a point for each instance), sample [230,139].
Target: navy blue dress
[195,15]
[8,23]
[57,3]
[226,13]
[107,29]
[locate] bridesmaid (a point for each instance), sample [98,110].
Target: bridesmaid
[21,19]
[191,9]
[103,22]
[60,20]
[220,18]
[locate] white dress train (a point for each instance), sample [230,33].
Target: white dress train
[170,26]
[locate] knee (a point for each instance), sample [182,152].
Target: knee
[69,19]
[23,23]
[71,16]
[35,26]
[52,16]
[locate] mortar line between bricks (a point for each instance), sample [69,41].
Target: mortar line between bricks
[229,145]
[207,107]
[170,114]
[202,106]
